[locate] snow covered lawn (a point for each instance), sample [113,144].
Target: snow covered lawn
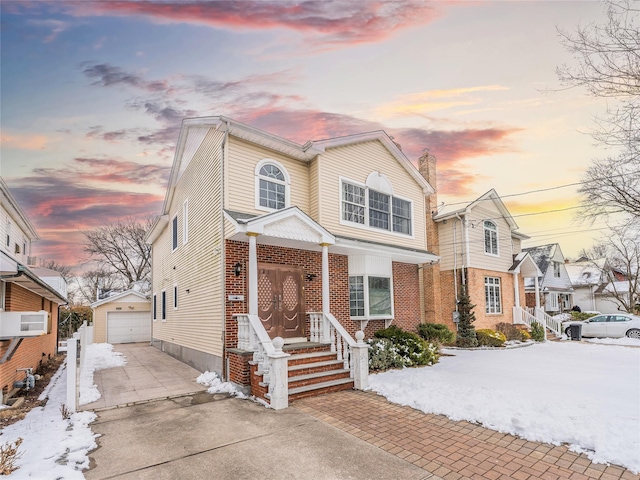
[585,395]
[52,447]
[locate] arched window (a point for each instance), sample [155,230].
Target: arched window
[490,238]
[272,184]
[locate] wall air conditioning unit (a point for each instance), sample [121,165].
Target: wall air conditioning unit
[23,324]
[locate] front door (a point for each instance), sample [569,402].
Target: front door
[281,300]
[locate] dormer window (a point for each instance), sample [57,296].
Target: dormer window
[272,186]
[490,238]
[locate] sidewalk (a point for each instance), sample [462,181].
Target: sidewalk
[148,375]
[448,449]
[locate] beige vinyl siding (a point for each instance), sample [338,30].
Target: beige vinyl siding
[240,176]
[314,189]
[517,245]
[197,265]
[130,303]
[446,236]
[356,162]
[478,258]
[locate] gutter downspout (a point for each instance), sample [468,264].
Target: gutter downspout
[455,262]
[466,241]
[223,255]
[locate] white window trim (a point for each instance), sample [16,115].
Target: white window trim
[365,225]
[367,316]
[185,222]
[175,296]
[154,307]
[287,184]
[163,305]
[484,244]
[174,218]
[499,285]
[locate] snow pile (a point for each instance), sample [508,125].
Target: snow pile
[631,342]
[585,395]
[211,380]
[97,357]
[52,447]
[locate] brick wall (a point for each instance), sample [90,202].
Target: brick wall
[32,351]
[448,298]
[475,283]
[405,290]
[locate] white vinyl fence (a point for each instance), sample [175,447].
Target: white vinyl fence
[76,349]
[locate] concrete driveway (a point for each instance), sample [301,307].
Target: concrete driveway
[206,436]
[148,375]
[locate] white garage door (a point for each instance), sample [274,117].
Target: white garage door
[128,327]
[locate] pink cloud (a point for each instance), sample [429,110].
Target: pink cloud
[337,21]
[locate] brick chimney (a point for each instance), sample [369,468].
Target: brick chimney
[431,286]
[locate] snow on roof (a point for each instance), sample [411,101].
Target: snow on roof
[541,255]
[584,273]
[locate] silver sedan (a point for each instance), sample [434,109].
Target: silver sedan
[607,325]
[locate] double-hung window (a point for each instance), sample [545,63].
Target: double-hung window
[556,269]
[370,296]
[492,295]
[353,203]
[490,238]
[371,208]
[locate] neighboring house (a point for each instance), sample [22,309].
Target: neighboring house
[586,278]
[122,318]
[260,237]
[28,304]
[606,301]
[481,248]
[554,283]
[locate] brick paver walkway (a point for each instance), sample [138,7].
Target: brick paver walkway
[448,449]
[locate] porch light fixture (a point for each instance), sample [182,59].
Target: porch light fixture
[311,276]
[237,269]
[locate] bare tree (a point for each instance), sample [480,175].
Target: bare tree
[63,270]
[621,249]
[119,248]
[607,64]
[93,281]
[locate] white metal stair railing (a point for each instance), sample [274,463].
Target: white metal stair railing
[267,354]
[548,321]
[530,315]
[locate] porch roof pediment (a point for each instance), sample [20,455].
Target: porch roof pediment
[525,266]
[288,224]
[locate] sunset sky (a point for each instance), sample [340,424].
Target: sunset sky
[93,94]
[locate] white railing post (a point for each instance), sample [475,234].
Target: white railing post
[360,355]
[72,374]
[279,380]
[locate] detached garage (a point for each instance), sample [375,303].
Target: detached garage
[122,318]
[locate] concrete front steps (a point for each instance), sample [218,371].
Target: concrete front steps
[315,370]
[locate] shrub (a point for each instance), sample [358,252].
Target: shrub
[525,335]
[8,456]
[436,333]
[581,315]
[395,348]
[490,338]
[537,331]
[511,331]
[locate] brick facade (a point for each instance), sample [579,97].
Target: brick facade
[32,351]
[405,290]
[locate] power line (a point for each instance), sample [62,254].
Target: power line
[539,190]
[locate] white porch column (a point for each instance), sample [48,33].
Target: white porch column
[535,280]
[326,304]
[253,273]
[516,289]
[279,387]
[326,307]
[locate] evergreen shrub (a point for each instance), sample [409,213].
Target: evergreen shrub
[537,331]
[436,333]
[396,348]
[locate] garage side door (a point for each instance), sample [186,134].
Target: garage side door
[128,327]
